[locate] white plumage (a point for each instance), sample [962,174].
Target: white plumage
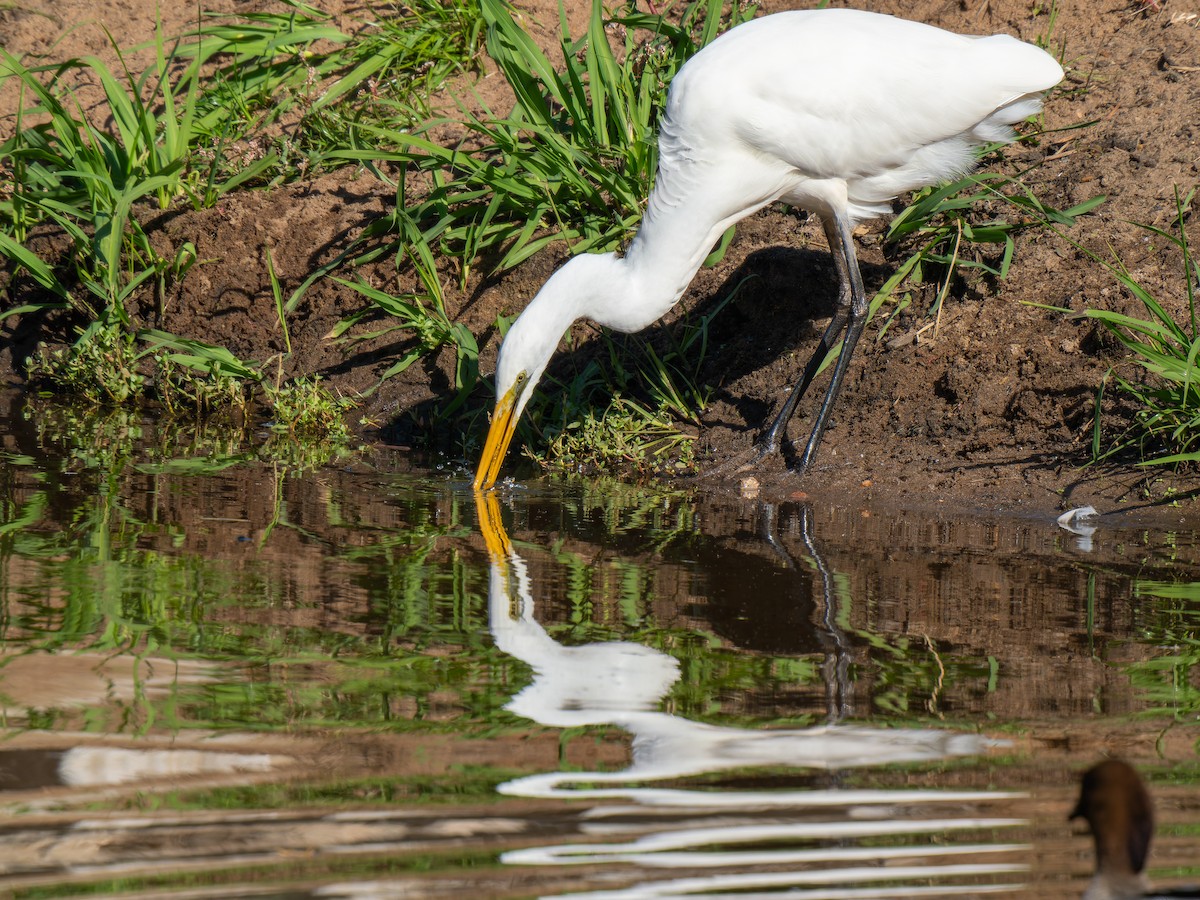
[835,111]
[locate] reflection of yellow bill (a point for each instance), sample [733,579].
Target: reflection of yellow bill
[487,506]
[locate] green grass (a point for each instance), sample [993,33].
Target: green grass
[298,65]
[202,120]
[573,160]
[102,366]
[1160,377]
[1166,428]
[305,408]
[967,226]
[422,314]
[89,180]
[624,436]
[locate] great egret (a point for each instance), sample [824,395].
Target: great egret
[835,111]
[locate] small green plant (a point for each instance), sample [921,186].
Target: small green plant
[200,356]
[298,63]
[190,128]
[102,366]
[625,436]
[1046,39]
[944,223]
[386,73]
[1166,348]
[306,409]
[421,314]
[187,391]
[86,182]
[672,376]
[303,408]
[88,179]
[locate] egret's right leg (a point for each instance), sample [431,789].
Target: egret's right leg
[840,240]
[841,243]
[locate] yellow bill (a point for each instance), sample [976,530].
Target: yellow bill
[500,435]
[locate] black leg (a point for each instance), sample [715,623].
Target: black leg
[852,309]
[770,443]
[844,256]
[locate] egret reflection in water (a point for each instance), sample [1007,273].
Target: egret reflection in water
[622,684]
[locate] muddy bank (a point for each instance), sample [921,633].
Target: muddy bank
[992,410]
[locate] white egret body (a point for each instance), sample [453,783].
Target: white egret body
[835,111]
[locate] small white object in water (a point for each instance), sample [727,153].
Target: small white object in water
[1072,520]
[1068,519]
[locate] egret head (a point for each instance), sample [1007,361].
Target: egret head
[570,293]
[523,358]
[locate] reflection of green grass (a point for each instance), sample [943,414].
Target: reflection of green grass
[110,595]
[85,565]
[110,438]
[1170,680]
[388,628]
[462,784]
[451,687]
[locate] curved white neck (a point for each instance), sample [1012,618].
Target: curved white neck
[688,211]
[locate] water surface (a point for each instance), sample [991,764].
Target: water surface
[234,676]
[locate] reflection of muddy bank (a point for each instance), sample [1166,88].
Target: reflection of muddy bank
[62,770]
[299,847]
[37,682]
[939,613]
[346,615]
[413,850]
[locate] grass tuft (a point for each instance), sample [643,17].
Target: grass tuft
[1166,350]
[574,159]
[102,367]
[305,408]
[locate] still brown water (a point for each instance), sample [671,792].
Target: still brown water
[223,676]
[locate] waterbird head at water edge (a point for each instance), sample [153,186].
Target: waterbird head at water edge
[570,293]
[1119,812]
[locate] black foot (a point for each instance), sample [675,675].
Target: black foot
[741,464]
